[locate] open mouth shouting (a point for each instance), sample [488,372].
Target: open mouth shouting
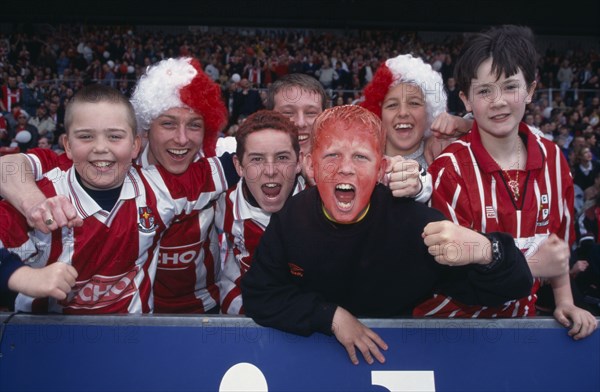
[271,189]
[344,195]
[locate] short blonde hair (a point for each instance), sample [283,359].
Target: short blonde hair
[96,93]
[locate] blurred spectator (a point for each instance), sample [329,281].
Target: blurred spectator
[455,104]
[246,100]
[585,168]
[592,192]
[44,124]
[44,142]
[326,74]
[4,140]
[564,77]
[24,134]
[11,116]
[32,95]
[212,69]
[590,142]
[11,94]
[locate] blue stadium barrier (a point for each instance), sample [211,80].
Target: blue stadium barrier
[177,353]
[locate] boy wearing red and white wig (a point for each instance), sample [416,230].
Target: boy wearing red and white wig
[409,98]
[179,111]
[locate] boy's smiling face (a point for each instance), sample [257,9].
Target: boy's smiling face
[101,143]
[175,137]
[346,164]
[302,107]
[404,118]
[497,105]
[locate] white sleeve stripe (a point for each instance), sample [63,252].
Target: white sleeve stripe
[218,175]
[438,180]
[453,160]
[567,223]
[479,189]
[493,189]
[559,186]
[452,208]
[36,166]
[439,307]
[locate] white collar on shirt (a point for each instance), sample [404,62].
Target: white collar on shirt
[86,206]
[243,210]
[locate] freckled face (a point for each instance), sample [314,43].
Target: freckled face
[269,167]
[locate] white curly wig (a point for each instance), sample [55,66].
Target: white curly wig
[158,89]
[407,69]
[175,83]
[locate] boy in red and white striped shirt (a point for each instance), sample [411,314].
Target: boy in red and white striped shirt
[125,211]
[180,111]
[268,162]
[502,177]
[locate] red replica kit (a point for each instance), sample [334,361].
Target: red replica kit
[470,189]
[115,252]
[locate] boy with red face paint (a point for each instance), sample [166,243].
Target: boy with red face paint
[501,176]
[347,248]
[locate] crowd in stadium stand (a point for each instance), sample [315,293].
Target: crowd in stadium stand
[41,70]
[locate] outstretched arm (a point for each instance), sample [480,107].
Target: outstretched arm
[271,296]
[550,259]
[496,269]
[18,182]
[19,189]
[580,322]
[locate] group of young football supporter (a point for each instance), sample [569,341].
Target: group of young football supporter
[317,218]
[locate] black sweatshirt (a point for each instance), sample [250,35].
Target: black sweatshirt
[305,266]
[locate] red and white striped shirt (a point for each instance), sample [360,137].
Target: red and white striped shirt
[115,252]
[470,189]
[11,96]
[189,264]
[242,225]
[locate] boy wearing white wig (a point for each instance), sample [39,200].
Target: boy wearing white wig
[179,111]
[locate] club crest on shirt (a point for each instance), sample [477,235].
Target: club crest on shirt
[146,222]
[543,212]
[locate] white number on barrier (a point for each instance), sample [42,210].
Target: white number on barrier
[404,381]
[247,377]
[243,377]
